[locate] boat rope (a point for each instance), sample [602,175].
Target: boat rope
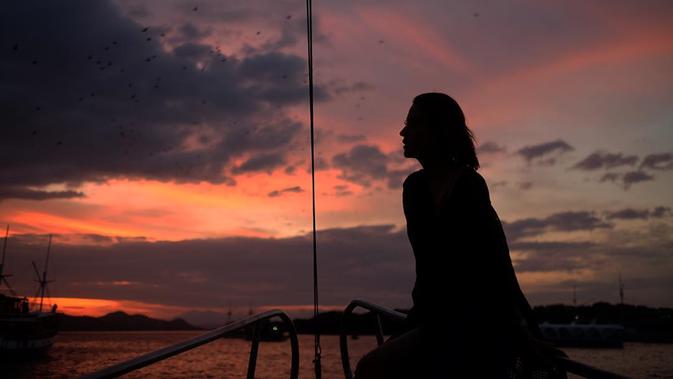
[309,37]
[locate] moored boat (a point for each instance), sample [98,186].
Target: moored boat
[584,335]
[26,329]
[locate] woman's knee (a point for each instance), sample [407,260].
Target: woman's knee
[366,367]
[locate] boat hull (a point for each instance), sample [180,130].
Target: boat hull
[27,334]
[584,335]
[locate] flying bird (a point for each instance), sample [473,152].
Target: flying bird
[195,9]
[146,29]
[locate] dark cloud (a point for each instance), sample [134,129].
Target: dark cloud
[638,214]
[662,161]
[544,153]
[599,160]
[265,162]
[490,148]
[627,179]
[622,250]
[632,177]
[661,211]
[610,177]
[563,221]
[372,262]
[375,261]
[628,214]
[366,163]
[556,256]
[10,192]
[277,193]
[275,76]
[88,96]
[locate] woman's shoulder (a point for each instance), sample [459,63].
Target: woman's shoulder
[413,179]
[468,176]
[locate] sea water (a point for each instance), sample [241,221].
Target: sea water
[78,353]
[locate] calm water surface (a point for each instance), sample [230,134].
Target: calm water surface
[75,354]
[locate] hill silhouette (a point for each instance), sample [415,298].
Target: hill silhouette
[120,321]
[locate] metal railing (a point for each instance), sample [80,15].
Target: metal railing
[180,347]
[566,364]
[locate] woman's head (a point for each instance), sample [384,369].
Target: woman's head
[435,129]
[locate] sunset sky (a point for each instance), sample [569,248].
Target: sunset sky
[165,145]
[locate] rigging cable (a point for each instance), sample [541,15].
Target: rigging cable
[309,36]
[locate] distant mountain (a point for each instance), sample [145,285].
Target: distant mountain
[120,321]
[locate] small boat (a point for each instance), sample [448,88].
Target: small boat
[26,330]
[584,335]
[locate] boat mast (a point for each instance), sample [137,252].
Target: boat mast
[43,279]
[3,277]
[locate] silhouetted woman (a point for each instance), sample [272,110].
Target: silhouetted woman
[469,316]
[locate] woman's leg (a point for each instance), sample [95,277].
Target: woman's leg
[396,358]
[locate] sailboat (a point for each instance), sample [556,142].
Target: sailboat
[26,329]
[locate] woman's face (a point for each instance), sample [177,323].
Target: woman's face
[416,136]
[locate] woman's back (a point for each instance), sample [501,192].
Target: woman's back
[463,270]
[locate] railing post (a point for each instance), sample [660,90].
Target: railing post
[254,348]
[379,330]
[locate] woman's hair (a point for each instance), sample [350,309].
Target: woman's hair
[446,119]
